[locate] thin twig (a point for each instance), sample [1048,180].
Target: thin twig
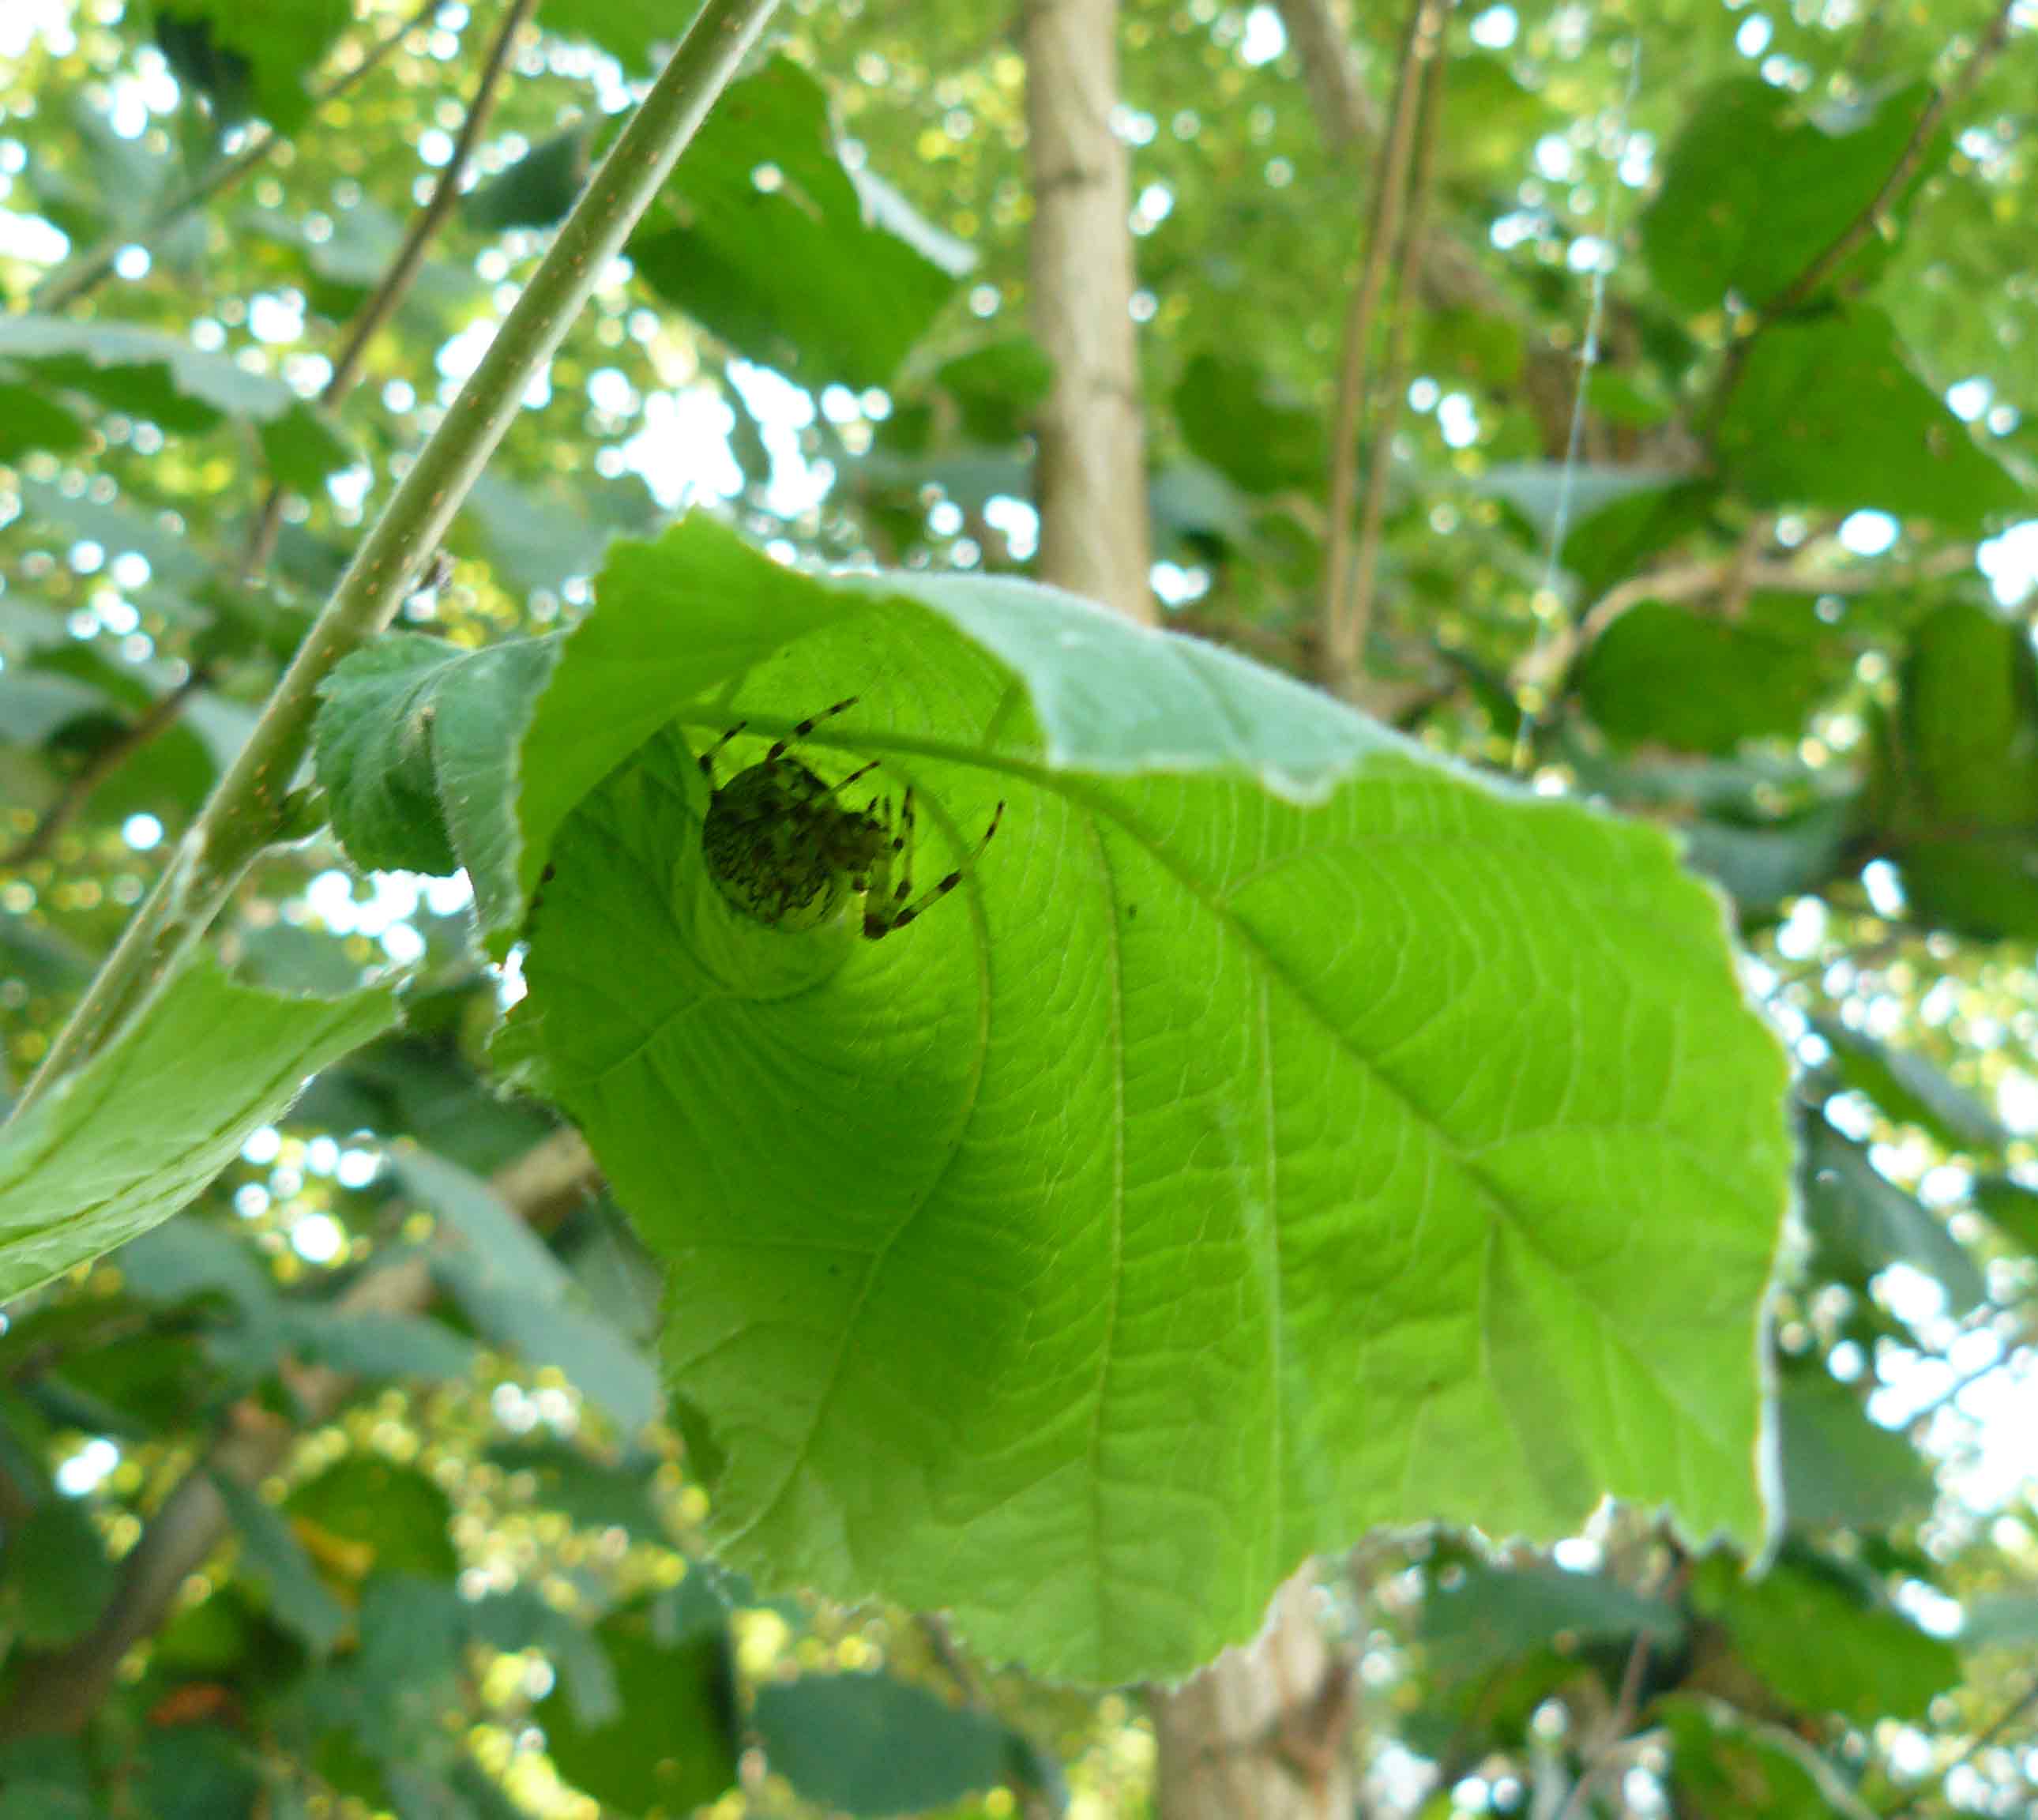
[2005,1357]
[149,725]
[1982,1740]
[1700,581]
[73,278]
[388,296]
[246,812]
[1340,658]
[1387,412]
[1321,34]
[1843,245]
[1627,1702]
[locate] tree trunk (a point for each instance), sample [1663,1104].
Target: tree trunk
[1090,482]
[1262,1733]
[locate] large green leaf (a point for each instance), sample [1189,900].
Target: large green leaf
[1232,417]
[256,58]
[510,1286]
[1819,1636]
[437,719]
[144,372]
[1664,674]
[1726,1768]
[871,1744]
[761,205]
[130,1137]
[1840,1470]
[1827,413]
[55,1576]
[1279,1132]
[1956,774]
[1753,191]
[1479,1618]
[1862,1221]
[672,1745]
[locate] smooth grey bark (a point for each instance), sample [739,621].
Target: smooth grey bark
[1264,1730]
[1090,484]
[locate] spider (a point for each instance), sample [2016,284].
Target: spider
[784,850]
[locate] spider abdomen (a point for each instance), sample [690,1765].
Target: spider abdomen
[783,850]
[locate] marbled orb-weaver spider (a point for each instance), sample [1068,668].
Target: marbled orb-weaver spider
[784,850]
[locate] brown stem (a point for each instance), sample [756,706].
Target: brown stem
[1387,413]
[388,297]
[75,278]
[1627,1704]
[1451,276]
[1321,36]
[149,726]
[1340,654]
[60,1691]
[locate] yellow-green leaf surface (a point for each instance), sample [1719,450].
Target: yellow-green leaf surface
[132,1136]
[1280,1132]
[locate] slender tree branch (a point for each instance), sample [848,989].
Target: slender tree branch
[1702,581]
[1340,655]
[382,303]
[1695,581]
[61,1691]
[1387,410]
[1802,289]
[387,298]
[246,812]
[76,277]
[1627,1701]
[1321,36]
[146,727]
[1450,276]
[1982,1739]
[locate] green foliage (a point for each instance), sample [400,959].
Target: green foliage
[1957,772]
[55,1578]
[1278,1133]
[1819,1637]
[1828,414]
[673,1689]
[1862,1221]
[249,58]
[1144,839]
[869,1744]
[408,754]
[761,204]
[1753,186]
[1662,674]
[131,1137]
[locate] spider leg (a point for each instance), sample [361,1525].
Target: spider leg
[934,892]
[806,726]
[882,897]
[707,759]
[861,770]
